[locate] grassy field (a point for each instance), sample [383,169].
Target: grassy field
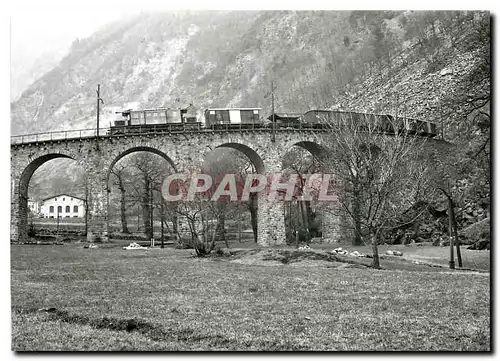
[71,298]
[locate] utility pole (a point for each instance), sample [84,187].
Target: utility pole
[273,132]
[450,223]
[453,225]
[99,100]
[151,213]
[273,137]
[86,207]
[294,222]
[57,228]
[162,220]
[442,128]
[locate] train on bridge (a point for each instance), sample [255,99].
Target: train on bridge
[166,120]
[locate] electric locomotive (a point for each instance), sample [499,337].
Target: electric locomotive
[157,120]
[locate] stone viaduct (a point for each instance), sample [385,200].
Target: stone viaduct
[184,151]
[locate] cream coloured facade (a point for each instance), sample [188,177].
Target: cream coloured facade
[64,205]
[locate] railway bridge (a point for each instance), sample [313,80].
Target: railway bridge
[184,150]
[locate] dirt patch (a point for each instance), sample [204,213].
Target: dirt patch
[317,263]
[254,257]
[294,258]
[115,324]
[158,333]
[287,256]
[148,329]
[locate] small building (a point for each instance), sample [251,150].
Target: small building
[34,206]
[64,206]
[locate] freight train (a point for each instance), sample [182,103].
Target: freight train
[385,123]
[166,120]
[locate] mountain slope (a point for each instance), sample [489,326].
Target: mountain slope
[206,58]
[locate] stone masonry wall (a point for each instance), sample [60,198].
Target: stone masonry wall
[184,151]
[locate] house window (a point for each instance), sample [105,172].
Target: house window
[55,199]
[64,199]
[68,209]
[51,209]
[71,198]
[59,209]
[75,209]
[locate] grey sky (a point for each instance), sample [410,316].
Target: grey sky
[47,34]
[33,33]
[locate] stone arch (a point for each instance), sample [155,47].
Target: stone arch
[33,166]
[116,159]
[259,213]
[317,150]
[329,221]
[254,157]
[138,149]
[256,214]
[21,208]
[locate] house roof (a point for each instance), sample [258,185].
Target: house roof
[63,194]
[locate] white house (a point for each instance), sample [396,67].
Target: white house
[64,206]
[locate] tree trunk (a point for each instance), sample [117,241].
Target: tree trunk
[309,216]
[123,208]
[192,229]
[453,229]
[175,221]
[253,214]
[376,259]
[221,226]
[239,227]
[356,216]
[304,219]
[211,245]
[146,210]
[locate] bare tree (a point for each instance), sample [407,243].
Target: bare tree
[203,218]
[229,160]
[139,178]
[301,162]
[379,175]
[120,177]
